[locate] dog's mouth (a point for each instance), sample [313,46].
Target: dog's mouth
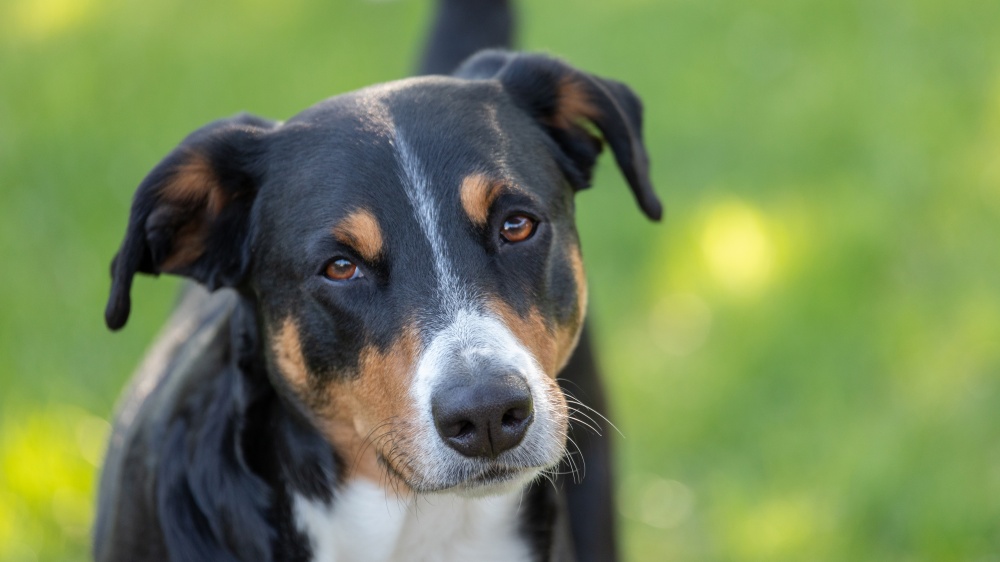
[494,479]
[496,475]
[491,479]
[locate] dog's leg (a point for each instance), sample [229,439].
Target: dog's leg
[590,500]
[463,27]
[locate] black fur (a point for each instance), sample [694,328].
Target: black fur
[463,27]
[232,149]
[533,81]
[590,500]
[203,466]
[211,444]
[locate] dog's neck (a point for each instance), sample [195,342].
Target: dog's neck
[366,523]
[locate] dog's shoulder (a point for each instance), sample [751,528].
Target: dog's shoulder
[178,476]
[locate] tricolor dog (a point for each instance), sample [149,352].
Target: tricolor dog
[397,294]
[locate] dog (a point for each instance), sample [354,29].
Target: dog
[375,359]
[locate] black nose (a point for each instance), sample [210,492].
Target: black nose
[484,418]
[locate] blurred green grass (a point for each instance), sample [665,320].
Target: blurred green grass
[804,358]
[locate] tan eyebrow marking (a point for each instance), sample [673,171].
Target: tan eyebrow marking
[478,192]
[361,231]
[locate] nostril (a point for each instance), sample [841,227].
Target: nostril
[465,429]
[515,416]
[456,429]
[483,419]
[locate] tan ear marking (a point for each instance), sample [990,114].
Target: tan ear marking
[193,195]
[478,192]
[188,246]
[574,103]
[194,183]
[361,231]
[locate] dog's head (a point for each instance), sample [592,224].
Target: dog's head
[412,254]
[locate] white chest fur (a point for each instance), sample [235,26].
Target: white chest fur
[364,525]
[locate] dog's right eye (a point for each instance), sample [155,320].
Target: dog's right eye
[341,269]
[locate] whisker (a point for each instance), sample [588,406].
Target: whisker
[572,405]
[367,441]
[580,472]
[585,424]
[570,398]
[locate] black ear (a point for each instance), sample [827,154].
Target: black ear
[190,216]
[561,99]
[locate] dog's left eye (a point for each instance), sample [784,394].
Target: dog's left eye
[517,228]
[341,269]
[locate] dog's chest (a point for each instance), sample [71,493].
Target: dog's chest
[363,525]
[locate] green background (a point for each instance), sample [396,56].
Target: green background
[804,357]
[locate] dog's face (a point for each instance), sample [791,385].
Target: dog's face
[419,277]
[412,253]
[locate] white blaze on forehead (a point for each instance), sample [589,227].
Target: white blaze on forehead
[464,331]
[415,184]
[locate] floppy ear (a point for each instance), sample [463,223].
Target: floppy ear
[190,216]
[562,99]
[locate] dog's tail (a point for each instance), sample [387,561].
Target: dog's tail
[463,27]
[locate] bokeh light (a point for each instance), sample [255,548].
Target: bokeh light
[42,19]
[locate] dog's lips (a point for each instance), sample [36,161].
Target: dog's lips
[495,480]
[496,475]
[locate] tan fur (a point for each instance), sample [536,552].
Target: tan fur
[531,331]
[194,192]
[551,346]
[478,192]
[568,335]
[288,355]
[361,231]
[364,415]
[373,411]
[574,104]
[580,276]
[188,246]
[194,184]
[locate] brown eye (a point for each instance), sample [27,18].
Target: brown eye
[341,270]
[517,228]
